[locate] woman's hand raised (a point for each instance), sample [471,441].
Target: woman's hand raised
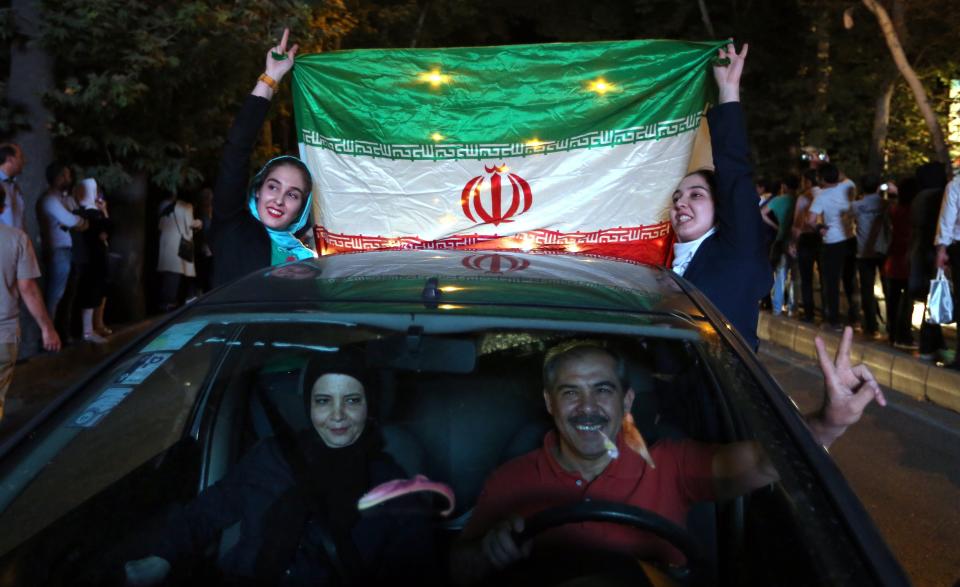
[279,62]
[728,76]
[279,59]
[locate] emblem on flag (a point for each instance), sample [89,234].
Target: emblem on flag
[476,197]
[495,263]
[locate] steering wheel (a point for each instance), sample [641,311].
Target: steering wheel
[619,513]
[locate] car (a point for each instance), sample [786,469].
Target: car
[457,339]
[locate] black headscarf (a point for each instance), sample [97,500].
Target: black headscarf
[328,481]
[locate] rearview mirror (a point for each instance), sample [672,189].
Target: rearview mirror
[415,352]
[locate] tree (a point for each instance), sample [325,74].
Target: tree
[146,90]
[906,70]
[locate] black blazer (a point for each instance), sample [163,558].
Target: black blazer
[240,243]
[731,267]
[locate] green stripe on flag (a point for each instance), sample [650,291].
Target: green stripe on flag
[500,101]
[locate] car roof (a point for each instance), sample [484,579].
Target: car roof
[549,282]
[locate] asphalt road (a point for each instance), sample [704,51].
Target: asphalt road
[903,461]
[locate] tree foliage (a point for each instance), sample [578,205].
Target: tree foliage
[146,86]
[794,95]
[149,87]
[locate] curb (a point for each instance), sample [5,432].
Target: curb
[892,368]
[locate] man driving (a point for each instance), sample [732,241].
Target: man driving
[587,393]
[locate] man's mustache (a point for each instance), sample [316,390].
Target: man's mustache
[587,420]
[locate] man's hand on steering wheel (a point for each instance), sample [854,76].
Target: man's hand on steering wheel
[500,544]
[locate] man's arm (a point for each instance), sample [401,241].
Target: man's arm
[848,390]
[741,467]
[54,207]
[947,222]
[34,302]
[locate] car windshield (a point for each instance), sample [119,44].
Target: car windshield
[455,397]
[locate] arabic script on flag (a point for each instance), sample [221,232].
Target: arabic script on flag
[567,146]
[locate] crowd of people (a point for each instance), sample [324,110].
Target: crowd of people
[826,231]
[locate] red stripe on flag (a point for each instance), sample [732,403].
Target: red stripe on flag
[645,244]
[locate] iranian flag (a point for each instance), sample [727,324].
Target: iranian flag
[567,146]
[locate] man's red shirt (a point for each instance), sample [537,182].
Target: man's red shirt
[536,481]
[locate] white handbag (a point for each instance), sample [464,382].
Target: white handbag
[940,300]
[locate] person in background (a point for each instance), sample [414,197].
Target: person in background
[90,259]
[838,254]
[11,166]
[767,189]
[56,215]
[18,279]
[176,223]
[873,240]
[924,214]
[896,267]
[948,246]
[781,207]
[806,242]
[201,239]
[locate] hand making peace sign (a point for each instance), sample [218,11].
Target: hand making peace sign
[728,76]
[280,59]
[848,390]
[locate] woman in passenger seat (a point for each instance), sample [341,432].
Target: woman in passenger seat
[296,499]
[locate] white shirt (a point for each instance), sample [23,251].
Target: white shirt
[12,214]
[683,252]
[834,203]
[948,228]
[56,213]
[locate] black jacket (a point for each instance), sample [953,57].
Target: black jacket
[731,267]
[392,543]
[239,242]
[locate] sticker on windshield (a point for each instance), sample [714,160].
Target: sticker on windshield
[175,337]
[100,407]
[142,368]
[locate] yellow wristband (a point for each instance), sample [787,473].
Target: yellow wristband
[269,81]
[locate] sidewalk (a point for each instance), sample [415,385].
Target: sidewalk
[893,368]
[43,377]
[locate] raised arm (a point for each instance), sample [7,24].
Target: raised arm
[230,191]
[736,198]
[741,467]
[946,225]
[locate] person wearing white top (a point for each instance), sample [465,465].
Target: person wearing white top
[176,223]
[873,238]
[948,244]
[11,166]
[56,214]
[838,255]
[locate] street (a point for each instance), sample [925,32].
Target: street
[903,461]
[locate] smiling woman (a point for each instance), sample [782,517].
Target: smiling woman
[262,232]
[715,215]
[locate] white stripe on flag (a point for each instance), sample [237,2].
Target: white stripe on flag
[629,186]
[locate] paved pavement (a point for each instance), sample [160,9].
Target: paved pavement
[41,378]
[893,368]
